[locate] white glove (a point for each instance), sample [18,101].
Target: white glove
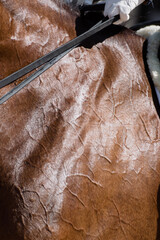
[121,7]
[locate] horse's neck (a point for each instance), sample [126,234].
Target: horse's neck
[30,29]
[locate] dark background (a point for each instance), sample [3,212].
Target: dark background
[145,12]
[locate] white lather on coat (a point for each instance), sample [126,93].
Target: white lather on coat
[152,33]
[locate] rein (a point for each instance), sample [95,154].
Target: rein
[50,59]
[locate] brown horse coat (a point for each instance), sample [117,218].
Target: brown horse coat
[80,145]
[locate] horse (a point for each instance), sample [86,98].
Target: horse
[80,145]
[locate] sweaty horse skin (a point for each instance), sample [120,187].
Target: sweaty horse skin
[80,145]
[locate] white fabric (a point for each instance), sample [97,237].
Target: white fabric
[121,7]
[152,33]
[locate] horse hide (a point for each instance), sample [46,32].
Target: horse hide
[80,145]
